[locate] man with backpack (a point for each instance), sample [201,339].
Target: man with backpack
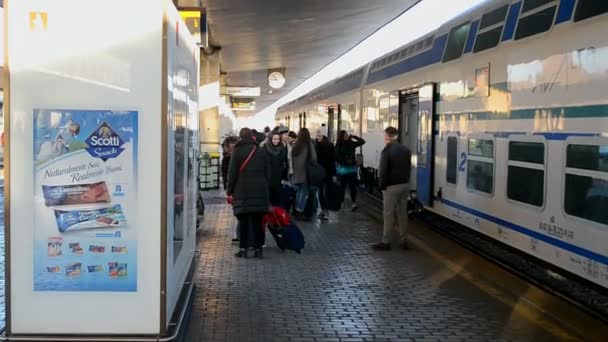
[394,176]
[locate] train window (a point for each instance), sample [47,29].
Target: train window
[587,157]
[456,41]
[480,165]
[526,172]
[533,4]
[586,188]
[535,18]
[493,17]
[481,148]
[488,39]
[452,155]
[589,8]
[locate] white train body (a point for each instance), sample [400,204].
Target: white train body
[526,121]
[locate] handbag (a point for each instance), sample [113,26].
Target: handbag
[314,171]
[230,199]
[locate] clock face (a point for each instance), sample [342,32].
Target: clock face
[276,80]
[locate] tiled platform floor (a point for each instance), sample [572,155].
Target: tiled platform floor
[338,289]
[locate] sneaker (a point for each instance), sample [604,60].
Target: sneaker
[323,216]
[258,253]
[236,240]
[381,246]
[241,253]
[354,207]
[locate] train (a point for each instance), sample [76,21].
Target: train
[505,110]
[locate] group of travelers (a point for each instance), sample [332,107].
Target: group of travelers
[275,168]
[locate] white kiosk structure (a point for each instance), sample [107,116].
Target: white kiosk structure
[100,169]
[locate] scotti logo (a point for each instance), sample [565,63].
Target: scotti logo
[104,143]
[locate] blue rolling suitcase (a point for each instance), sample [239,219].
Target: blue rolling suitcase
[293,238]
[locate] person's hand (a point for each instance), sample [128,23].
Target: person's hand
[334,179]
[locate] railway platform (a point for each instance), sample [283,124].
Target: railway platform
[339,289]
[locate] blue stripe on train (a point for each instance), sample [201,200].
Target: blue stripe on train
[471,38]
[548,135]
[509,29]
[526,231]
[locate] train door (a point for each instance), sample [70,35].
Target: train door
[408,127]
[425,147]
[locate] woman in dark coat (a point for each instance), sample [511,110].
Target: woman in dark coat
[277,157]
[248,186]
[347,163]
[326,158]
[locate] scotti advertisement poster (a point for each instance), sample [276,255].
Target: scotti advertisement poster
[85,169]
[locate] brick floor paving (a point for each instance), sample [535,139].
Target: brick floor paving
[338,289]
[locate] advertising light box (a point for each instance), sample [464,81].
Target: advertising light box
[101,125]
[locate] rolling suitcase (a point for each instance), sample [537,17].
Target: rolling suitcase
[335,196]
[293,237]
[311,205]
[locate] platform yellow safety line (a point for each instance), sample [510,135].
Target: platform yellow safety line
[523,307]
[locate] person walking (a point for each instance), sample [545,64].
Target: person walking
[347,163]
[303,151]
[277,156]
[326,156]
[394,177]
[248,176]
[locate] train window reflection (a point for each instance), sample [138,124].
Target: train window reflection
[488,39]
[535,23]
[586,197]
[480,176]
[482,148]
[587,157]
[480,165]
[586,188]
[456,41]
[493,17]
[526,172]
[452,156]
[590,8]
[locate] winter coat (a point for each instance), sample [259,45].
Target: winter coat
[277,158]
[300,162]
[345,151]
[326,156]
[249,188]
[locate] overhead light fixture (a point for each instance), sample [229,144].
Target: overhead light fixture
[276,78]
[242,91]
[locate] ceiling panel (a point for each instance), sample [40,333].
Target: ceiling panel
[301,36]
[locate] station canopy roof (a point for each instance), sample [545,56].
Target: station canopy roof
[299,36]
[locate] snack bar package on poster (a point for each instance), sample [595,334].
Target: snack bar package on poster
[69,220]
[55,195]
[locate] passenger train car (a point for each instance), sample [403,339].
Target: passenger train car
[506,111]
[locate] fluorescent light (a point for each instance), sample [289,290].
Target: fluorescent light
[422,19]
[242,91]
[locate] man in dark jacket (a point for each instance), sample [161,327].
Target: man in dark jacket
[395,166]
[248,176]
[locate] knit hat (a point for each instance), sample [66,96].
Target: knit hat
[283,129]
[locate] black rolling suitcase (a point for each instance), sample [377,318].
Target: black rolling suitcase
[311,205]
[335,196]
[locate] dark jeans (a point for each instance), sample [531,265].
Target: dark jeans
[250,226]
[350,180]
[323,194]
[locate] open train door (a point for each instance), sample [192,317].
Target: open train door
[425,146]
